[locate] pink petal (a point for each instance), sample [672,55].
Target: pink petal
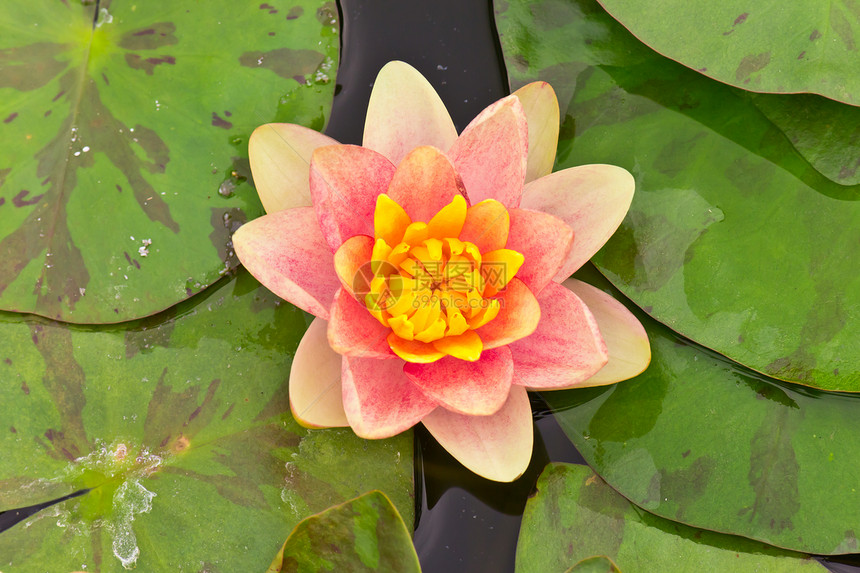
[592,199]
[353,331]
[517,319]
[287,253]
[541,108]
[543,240]
[405,112]
[565,350]
[492,152]
[315,390]
[353,255]
[345,181]
[498,446]
[475,388]
[379,400]
[626,339]
[425,181]
[487,225]
[280,156]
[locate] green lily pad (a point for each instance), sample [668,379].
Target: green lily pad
[180,425]
[596,564]
[123,162]
[826,133]
[733,239]
[787,48]
[363,534]
[703,441]
[575,514]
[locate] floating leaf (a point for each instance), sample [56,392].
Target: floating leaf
[733,239]
[363,534]
[575,514]
[180,426]
[596,564]
[825,132]
[123,162]
[777,48]
[703,441]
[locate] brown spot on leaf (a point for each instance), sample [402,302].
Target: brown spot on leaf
[169,410]
[11,117]
[284,61]
[774,471]
[30,67]
[218,121]
[13,430]
[271,9]
[147,64]
[150,38]
[842,26]
[20,200]
[24,388]
[295,12]
[228,412]
[64,381]
[685,454]
[750,65]
[814,35]
[741,19]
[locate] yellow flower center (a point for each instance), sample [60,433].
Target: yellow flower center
[432,288]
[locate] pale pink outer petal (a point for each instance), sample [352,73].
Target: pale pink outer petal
[425,181]
[288,254]
[475,388]
[565,350]
[345,181]
[350,257]
[518,318]
[491,154]
[498,446]
[405,112]
[592,199]
[541,108]
[544,241]
[626,339]
[379,400]
[316,397]
[280,156]
[353,331]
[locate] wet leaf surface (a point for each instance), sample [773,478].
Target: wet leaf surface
[703,441]
[180,425]
[733,238]
[575,514]
[736,42]
[123,162]
[363,534]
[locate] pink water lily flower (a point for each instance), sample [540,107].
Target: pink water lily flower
[435,265]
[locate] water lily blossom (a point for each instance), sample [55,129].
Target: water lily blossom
[436,266]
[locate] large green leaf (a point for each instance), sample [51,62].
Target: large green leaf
[733,239]
[785,47]
[703,441]
[181,426]
[365,534]
[124,152]
[575,514]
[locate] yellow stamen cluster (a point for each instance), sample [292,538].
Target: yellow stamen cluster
[432,288]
